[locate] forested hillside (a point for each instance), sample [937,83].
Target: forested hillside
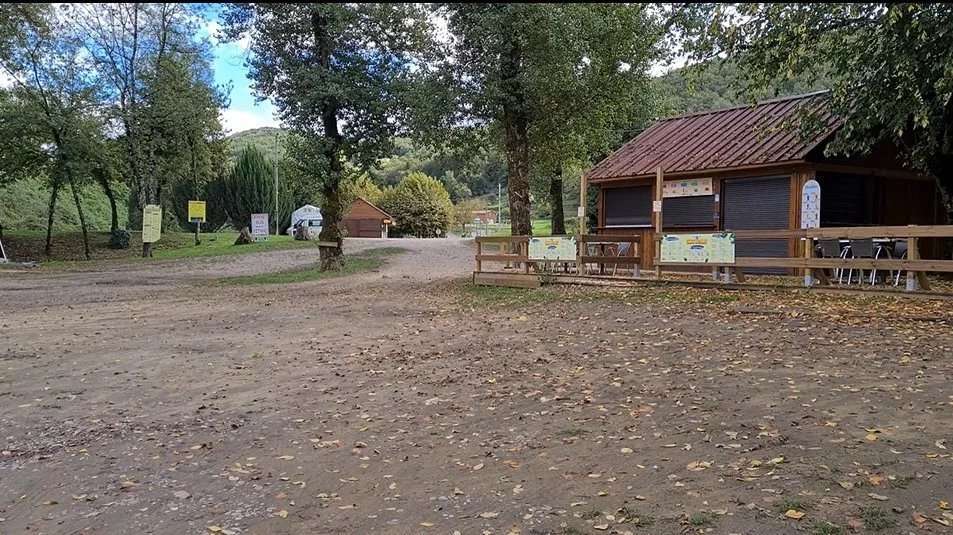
[262,138]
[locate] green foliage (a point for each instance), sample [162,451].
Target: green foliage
[23,206]
[721,84]
[212,192]
[359,263]
[261,138]
[420,206]
[250,189]
[119,239]
[890,67]
[361,185]
[463,211]
[876,519]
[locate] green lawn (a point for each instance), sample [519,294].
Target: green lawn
[68,246]
[541,227]
[356,263]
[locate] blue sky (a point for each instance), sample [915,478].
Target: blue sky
[229,64]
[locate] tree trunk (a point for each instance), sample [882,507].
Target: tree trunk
[103,180]
[556,202]
[82,217]
[49,219]
[516,140]
[332,207]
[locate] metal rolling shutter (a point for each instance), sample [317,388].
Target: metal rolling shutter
[689,211]
[628,206]
[757,204]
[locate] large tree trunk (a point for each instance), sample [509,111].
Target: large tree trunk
[332,207]
[516,139]
[556,202]
[49,219]
[82,216]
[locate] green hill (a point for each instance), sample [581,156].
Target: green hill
[263,138]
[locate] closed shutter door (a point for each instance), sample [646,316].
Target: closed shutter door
[370,228]
[757,204]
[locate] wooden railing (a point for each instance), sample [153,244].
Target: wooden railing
[633,257]
[510,250]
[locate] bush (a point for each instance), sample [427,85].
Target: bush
[250,189]
[119,239]
[420,206]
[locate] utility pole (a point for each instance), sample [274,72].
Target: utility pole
[275,164]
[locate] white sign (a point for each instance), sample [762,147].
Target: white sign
[693,187]
[716,248]
[811,205]
[657,206]
[555,248]
[259,226]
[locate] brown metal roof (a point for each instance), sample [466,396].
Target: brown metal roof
[742,136]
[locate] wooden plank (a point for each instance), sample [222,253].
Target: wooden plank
[509,280]
[502,258]
[945,266]
[504,239]
[896,231]
[610,238]
[626,260]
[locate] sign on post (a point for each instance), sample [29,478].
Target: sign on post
[717,248]
[811,205]
[259,227]
[556,248]
[151,223]
[197,211]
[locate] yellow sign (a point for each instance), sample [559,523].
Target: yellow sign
[196,211]
[151,223]
[718,248]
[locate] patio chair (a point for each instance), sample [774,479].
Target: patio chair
[866,248]
[830,248]
[899,251]
[622,249]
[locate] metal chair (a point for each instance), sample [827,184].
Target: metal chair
[622,249]
[830,248]
[899,251]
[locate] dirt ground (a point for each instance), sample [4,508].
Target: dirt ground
[146,398]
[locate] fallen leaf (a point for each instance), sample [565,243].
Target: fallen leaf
[489,515]
[286,457]
[876,479]
[943,505]
[601,527]
[478,466]
[626,450]
[878,497]
[698,466]
[871,437]
[427,524]
[919,519]
[795,514]
[846,484]
[283,513]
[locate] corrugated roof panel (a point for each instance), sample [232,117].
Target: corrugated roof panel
[721,139]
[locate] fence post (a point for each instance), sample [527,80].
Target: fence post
[657,213]
[913,253]
[808,255]
[479,254]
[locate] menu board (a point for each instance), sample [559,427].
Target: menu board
[717,248]
[694,187]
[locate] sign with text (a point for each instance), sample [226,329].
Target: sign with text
[196,211]
[555,248]
[259,227]
[811,205]
[151,223]
[717,248]
[694,187]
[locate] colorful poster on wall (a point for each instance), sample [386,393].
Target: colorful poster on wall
[259,227]
[196,211]
[694,187]
[555,248]
[811,205]
[151,223]
[717,248]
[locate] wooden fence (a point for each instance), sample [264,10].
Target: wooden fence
[518,268]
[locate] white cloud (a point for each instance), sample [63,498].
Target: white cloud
[238,120]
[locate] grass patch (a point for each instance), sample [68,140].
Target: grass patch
[68,247]
[701,519]
[634,517]
[826,528]
[357,263]
[876,519]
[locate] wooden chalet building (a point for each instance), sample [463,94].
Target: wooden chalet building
[365,220]
[743,168]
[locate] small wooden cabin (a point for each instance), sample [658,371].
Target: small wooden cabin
[365,220]
[742,168]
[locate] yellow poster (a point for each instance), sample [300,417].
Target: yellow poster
[151,223]
[196,211]
[718,248]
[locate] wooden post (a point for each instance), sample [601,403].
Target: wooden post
[581,213]
[915,279]
[657,215]
[808,254]
[715,273]
[479,254]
